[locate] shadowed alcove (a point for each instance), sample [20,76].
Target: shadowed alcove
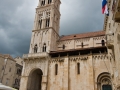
[34,80]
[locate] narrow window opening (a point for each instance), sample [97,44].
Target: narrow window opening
[35,48]
[40,22]
[82,45]
[42,2]
[56,69]
[78,68]
[63,46]
[47,22]
[44,47]
[49,1]
[103,43]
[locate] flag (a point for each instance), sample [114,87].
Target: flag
[104,7]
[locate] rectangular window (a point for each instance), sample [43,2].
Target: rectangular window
[56,69]
[78,68]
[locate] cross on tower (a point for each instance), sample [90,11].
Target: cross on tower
[82,45]
[63,47]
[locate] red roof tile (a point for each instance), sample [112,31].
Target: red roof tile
[82,35]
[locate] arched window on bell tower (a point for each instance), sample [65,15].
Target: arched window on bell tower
[35,48]
[47,22]
[42,2]
[40,23]
[49,1]
[44,47]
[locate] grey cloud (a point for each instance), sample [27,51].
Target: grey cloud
[17,18]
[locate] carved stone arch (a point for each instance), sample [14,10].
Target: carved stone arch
[33,69]
[95,38]
[95,57]
[98,57]
[34,79]
[104,81]
[103,38]
[74,59]
[104,56]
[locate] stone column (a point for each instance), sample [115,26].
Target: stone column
[44,83]
[65,80]
[23,83]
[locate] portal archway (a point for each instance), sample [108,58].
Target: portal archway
[34,80]
[104,81]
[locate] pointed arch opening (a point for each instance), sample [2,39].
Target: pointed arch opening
[35,48]
[40,23]
[44,47]
[49,1]
[42,2]
[103,42]
[35,80]
[47,22]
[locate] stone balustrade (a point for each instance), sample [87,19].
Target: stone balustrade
[35,55]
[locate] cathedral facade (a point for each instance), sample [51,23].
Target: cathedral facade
[71,62]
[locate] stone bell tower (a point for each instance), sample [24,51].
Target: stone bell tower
[44,38]
[46,26]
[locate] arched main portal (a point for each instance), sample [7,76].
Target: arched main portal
[104,82]
[34,80]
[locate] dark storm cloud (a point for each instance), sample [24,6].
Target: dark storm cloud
[81,16]
[17,17]
[16,22]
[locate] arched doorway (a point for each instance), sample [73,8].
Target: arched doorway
[34,80]
[104,82]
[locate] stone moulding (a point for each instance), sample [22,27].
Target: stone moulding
[78,58]
[57,60]
[104,56]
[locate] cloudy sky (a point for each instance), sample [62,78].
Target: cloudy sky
[17,16]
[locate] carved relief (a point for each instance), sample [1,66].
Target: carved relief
[82,40]
[100,57]
[78,58]
[54,60]
[32,64]
[99,38]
